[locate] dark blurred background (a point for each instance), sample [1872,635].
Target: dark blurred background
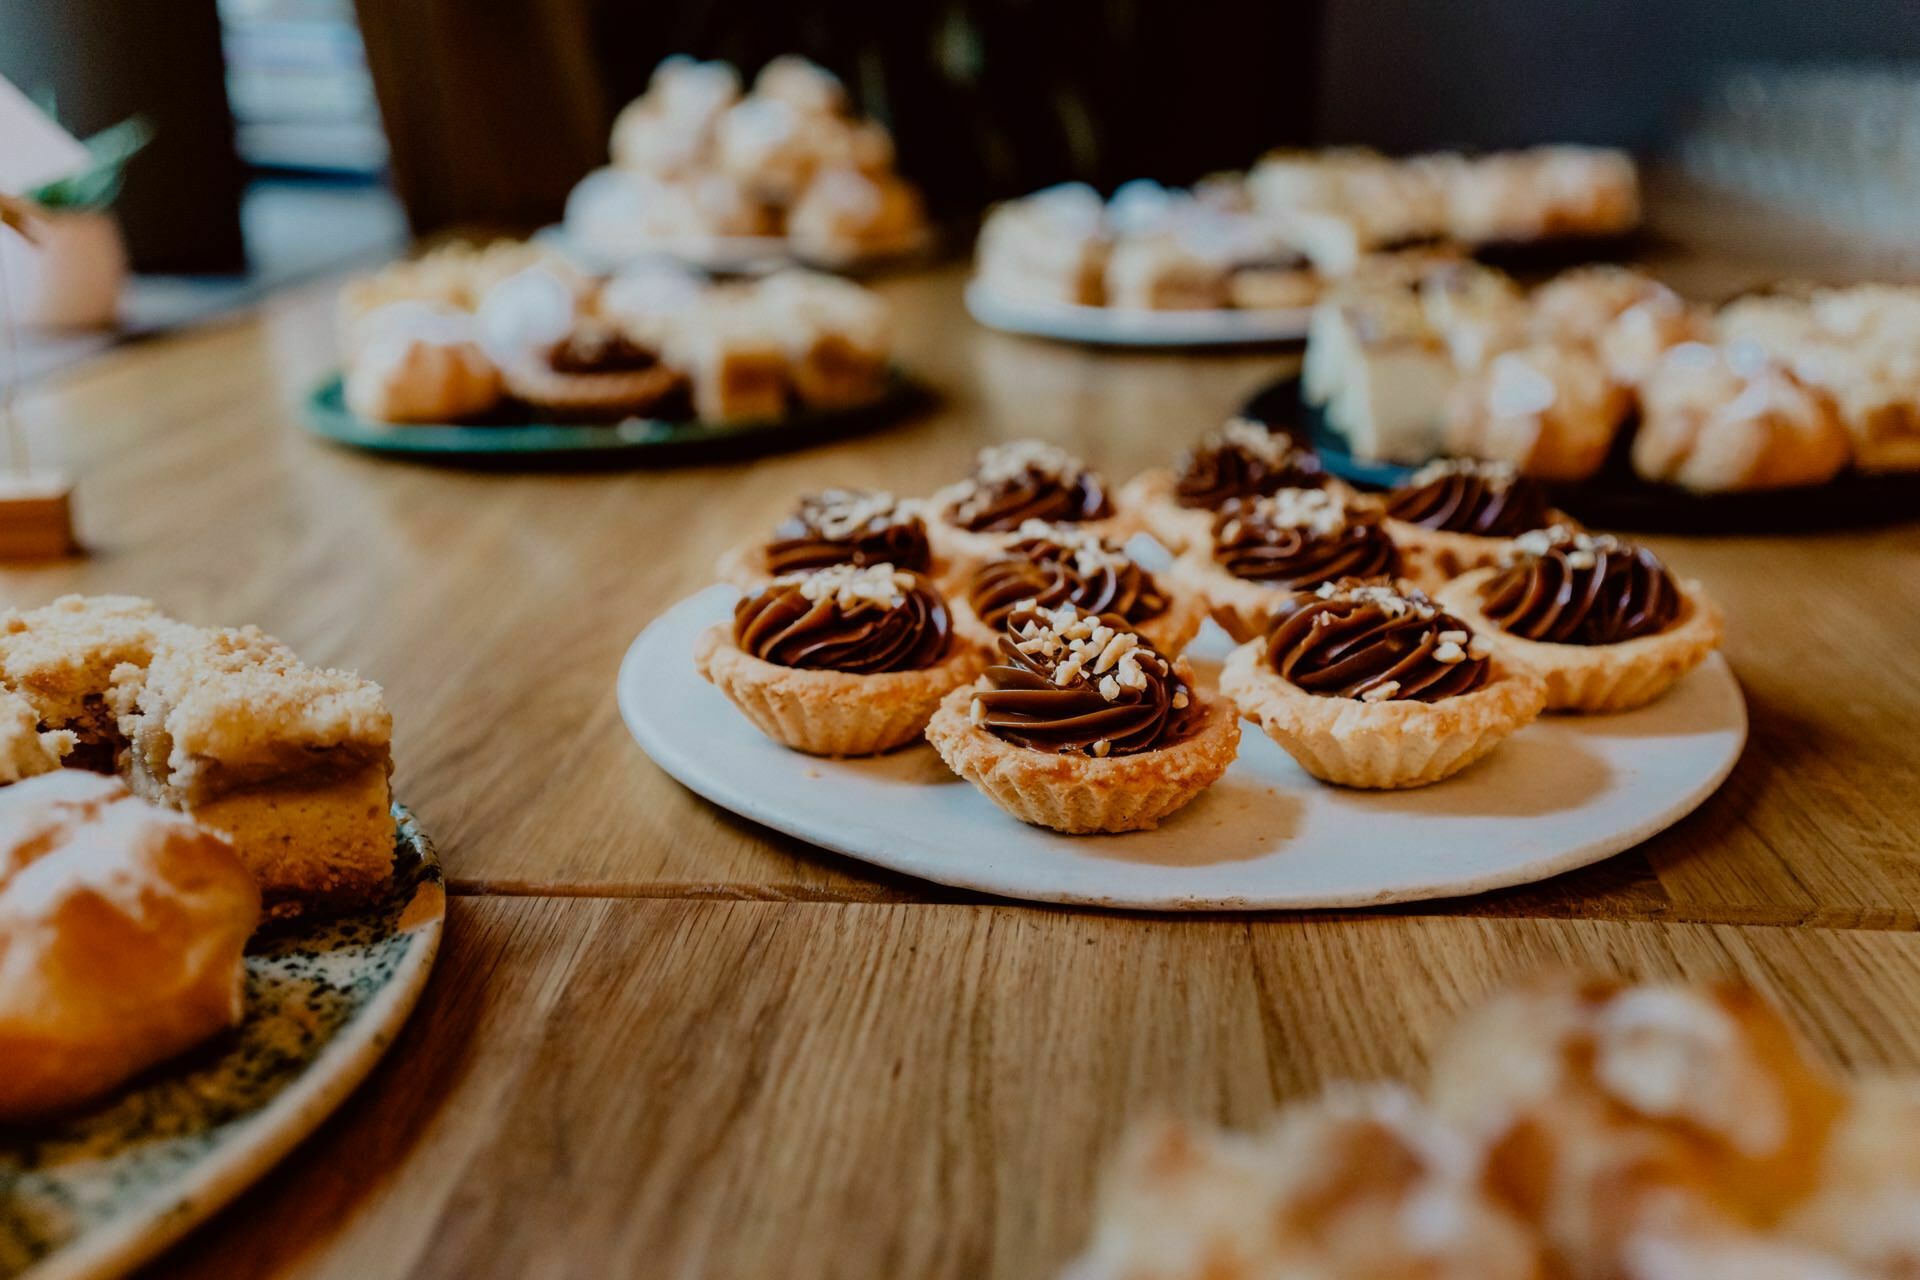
[269,113]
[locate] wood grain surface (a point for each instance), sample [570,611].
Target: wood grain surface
[666,1042]
[656,1088]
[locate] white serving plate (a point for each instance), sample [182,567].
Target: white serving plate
[1131,327]
[1564,792]
[96,1193]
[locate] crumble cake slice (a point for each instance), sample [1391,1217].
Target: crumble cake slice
[61,657]
[26,751]
[289,762]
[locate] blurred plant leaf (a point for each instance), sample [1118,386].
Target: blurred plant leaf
[97,185]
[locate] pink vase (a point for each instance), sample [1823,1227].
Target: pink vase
[71,276]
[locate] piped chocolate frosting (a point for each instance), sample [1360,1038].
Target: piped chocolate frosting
[1053,565]
[858,620]
[1243,459]
[1027,480]
[1301,538]
[1069,682]
[1463,495]
[841,526]
[1563,586]
[1374,640]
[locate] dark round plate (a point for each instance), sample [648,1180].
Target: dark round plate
[1618,499]
[636,442]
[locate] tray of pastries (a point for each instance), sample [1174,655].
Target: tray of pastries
[510,353]
[728,179]
[1243,258]
[1633,406]
[1032,682]
[213,919]
[1568,1127]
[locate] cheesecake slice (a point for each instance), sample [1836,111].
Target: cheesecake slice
[288,762]
[1379,372]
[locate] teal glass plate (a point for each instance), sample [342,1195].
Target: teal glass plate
[636,442]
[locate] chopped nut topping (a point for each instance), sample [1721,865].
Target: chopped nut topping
[1580,545]
[1091,554]
[1089,644]
[851,588]
[1315,510]
[843,513]
[1392,602]
[1497,474]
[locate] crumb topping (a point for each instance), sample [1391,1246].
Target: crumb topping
[1497,474]
[1256,441]
[844,513]
[1315,511]
[1580,546]
[851,587]
[1003,464]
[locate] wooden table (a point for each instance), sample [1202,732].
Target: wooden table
[663,1041]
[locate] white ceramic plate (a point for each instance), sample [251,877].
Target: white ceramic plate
[1129,327]
[1562,793]
[98,1192]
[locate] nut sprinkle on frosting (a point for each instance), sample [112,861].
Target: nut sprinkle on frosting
[1467,495]
[845,618]
[1243,459]
[1375,640]
[1072,682]
[1057,564]
[1027,480]
[849,526]
[1565,586]
[1301,538]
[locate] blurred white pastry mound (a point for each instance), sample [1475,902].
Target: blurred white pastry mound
[419,363]
[121,932]
[701,171]
[1573,1131]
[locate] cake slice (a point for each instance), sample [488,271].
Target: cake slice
[288,762]
[25,750]
[61,657]
[735,361]
[1378,372]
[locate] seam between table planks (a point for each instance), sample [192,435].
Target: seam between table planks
[1880,920]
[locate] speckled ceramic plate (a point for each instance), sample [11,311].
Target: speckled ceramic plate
[636,442]
[100,1191]
[1125,327]
[1563,792]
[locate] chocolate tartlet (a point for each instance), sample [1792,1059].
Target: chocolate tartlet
[1368,683]
[1574,588]
[1457,514]
[844,661]
[596,373]
[1600,619]
[1054,565]
[1079,725]
[1241,459]
[1295,539]
[1026,480]
[836,526]
[1010,485]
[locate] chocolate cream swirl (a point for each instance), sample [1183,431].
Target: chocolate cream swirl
[1053,567]
[1562,586]
[1027,480]
[1072,683]
[1301,538]
[862,621]
[849,527]
[1374,641]
[1489,499]
[1243,460]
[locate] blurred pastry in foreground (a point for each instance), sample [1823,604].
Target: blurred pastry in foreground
[1368,683]
[289,763]
[843,661]
[1551,411]
[1599,619]
[847,215]
[1712,420]
[1609,1112]
[121,933]
[1080,726]
[1362,1185]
